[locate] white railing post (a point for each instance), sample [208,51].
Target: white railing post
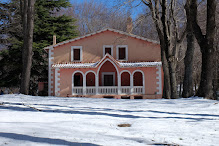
[84,85]
[131,84]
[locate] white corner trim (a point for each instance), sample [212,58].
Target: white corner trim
[126,52]
[108,73]
[159,82]
[107,46]
[72,53]
[50,72]
[57,84]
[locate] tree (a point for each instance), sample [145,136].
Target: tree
[164,15]
[10,57]
[27,14]
[206,43]
[46,24]
[93,16]
[188,60]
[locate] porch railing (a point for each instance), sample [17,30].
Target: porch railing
[78,90]
[107,90]
[90,90]
[125,90]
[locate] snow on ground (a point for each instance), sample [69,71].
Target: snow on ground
[28,120]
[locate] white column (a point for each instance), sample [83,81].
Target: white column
[84,84]
[57,84]
[131,84]
[97,84]
[119,83]
[50,82]
[159,82]
[73,85]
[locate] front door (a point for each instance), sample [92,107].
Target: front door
[108,79]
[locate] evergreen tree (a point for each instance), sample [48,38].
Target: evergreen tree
[45,26]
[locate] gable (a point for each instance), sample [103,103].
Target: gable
[92,47]
[125,34]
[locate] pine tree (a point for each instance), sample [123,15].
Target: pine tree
[45,26]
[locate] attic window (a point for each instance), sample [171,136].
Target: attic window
[76,53]
[107,49]
[122,52]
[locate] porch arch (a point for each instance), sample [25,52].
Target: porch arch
[143,79]
[121,77]
[117,71]
[93,79]
[78,89]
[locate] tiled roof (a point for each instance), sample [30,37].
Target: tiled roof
[92,65]
[107,29]
[74,65]
[140,64]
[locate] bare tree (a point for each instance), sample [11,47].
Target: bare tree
[27,14]
[188,61]
[92,16]
[206,43]
[164,14]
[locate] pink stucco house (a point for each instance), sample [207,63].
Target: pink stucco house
[108,63]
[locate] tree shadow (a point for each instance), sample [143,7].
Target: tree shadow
[104,113]
[174,113]
[42,139]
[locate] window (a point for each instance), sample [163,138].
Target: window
[122,52]
[107,49]
[76,53]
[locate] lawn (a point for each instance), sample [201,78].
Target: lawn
[29,120]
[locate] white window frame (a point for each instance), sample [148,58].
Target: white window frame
[107,46]
[126,52]
[72,53]
[108,73]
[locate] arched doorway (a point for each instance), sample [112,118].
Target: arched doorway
[108,77]
[138,82]
[77,83]
[108,74]
[90,83]
[125,82]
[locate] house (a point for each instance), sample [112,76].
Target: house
[108,63]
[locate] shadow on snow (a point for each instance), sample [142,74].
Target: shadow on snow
[42,139]
[97,112]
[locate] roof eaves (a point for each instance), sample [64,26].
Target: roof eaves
[110,29]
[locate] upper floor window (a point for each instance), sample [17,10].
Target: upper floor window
[122,52]
[76,53]
[107,49]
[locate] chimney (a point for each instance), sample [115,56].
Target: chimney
[129,26]
[54,39]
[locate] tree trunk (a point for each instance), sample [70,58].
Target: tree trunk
[206,84]
[28,25]
[167,50]
[166,90]
[188,60]
[206,43]
[173,83]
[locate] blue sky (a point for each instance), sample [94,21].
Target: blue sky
[109,3]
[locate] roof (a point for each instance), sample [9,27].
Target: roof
[97,32]
[93,65]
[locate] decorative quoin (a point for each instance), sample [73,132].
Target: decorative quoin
[108,63]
